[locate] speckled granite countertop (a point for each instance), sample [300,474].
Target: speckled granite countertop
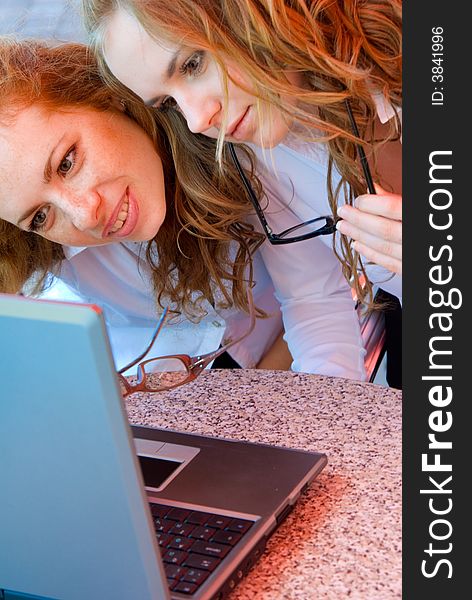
[343,539]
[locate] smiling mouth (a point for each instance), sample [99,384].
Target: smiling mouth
[121,218]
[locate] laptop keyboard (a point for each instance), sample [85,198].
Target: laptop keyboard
[193,543]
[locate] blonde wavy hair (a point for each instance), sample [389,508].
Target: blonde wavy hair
[345,50]
[205,206]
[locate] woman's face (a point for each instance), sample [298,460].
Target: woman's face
[80,177]
[189,79]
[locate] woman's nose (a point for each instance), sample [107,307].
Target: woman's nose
[82,209]
[201,113]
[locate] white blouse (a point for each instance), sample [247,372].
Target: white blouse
[320,321]
[117,278]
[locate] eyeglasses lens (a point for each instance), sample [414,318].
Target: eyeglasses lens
[163,373]
[304,228]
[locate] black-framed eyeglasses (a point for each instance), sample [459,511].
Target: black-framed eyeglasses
[314,227]
[297,233]
[167,372]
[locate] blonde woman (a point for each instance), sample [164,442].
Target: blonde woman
[283,76]
[131,211]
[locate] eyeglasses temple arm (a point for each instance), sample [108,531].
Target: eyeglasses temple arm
[250,191]
[360,149]
[159,326]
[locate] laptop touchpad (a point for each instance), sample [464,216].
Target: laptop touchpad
[161,462]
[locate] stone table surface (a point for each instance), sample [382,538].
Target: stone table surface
[343,539]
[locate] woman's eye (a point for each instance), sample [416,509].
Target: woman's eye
[192,67]
[67,162]
[194,64]
[39,220]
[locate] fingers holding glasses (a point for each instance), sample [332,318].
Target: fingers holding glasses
[382,250]
[362,226]
[375,226]
[382,203]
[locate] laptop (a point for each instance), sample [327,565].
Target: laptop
[93,508]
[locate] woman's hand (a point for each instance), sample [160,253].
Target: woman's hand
[376,226]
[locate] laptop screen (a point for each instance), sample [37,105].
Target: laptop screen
[72,505]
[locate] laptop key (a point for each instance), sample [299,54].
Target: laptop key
[182,529]
[194,576]
[181,543]
[203,533]
[210,548]
[185,588]
[174,571]
[163,539]
[218,522]
[171,583]
[159,510]
[176,557]
[163,525]
[226,537]
[199,561]
[239,525]
[198,518]
[178,514]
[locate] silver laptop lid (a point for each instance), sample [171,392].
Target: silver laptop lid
[66,453]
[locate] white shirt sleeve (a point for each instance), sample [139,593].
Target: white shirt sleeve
[321,325]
